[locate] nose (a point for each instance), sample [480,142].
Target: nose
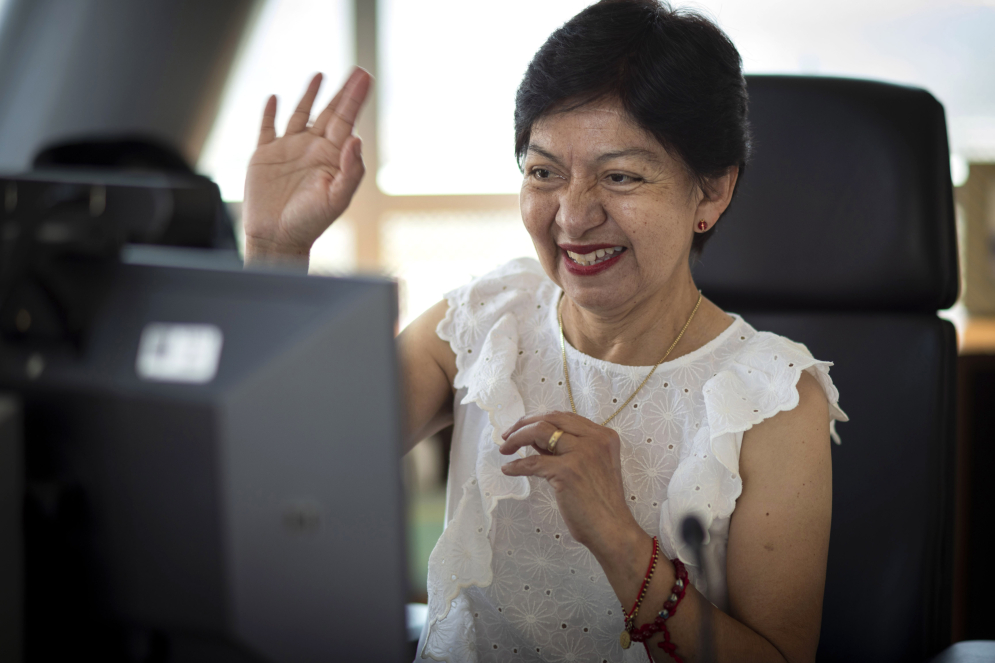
[580,209]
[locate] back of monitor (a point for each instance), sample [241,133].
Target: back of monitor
[254,515]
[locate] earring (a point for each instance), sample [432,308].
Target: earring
[702,225]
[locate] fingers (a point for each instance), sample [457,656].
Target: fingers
[537,435]
[351,170]
[530,466]
[267,132]
[343,119]
[298,121]
[568,421]
[322,120]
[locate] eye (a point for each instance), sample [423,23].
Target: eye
[540,173]
[622,178]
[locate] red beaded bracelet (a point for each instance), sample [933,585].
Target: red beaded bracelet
[630,616]
[659,625]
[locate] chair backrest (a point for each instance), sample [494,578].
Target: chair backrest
[842,237]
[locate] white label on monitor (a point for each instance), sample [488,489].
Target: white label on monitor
[186,353]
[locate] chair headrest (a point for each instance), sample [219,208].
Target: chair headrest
[847,203]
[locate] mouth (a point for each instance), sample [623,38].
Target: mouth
[595,255]
[588,260]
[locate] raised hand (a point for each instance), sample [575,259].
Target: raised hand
[299,183]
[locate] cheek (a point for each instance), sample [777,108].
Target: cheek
[538,215]
[655,231]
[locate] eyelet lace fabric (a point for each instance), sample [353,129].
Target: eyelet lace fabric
[506,581]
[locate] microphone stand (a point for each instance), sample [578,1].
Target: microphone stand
[694,537]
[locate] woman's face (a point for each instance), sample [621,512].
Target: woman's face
[610,212]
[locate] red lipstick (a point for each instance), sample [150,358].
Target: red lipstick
[585,248]
[589,270]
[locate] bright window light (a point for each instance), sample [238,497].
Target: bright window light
[334,253]
[944,47]
[290,41]
[448,74]
[420,250]
[449,70]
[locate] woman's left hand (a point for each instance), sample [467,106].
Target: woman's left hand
[585,472]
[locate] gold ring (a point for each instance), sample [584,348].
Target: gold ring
[553,439]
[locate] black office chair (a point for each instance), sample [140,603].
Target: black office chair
[842,237]
[200,218]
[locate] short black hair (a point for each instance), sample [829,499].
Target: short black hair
[675,73]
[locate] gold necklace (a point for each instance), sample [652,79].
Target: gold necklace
[566,371]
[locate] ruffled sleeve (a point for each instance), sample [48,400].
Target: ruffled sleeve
[482,327]
[760,380]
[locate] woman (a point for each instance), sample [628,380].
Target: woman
[598,398]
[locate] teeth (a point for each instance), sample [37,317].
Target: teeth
[593,257]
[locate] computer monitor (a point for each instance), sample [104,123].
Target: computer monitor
[212,468]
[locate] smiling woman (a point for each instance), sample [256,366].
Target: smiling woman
[563,537]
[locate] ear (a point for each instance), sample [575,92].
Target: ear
[717,195]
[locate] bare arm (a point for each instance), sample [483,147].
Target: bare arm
[428,369]
[779,535]
[778,543]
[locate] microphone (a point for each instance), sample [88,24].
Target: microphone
[694,537]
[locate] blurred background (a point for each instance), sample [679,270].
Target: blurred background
[439,205]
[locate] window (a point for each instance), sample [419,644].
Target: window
[449,70]
[286,44]
[942,47]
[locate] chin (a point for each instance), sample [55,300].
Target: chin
[599,296]
[598,293]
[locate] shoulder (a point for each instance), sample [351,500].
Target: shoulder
[791,438]
[512,284]
[454,328]
[757,375]
[748,346]
[488,310]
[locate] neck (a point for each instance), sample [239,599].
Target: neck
[639,332]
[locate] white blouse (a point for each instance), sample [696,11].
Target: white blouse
[506,581]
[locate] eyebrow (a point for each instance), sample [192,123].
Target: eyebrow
[535,149]
[607,156]
[630,152]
